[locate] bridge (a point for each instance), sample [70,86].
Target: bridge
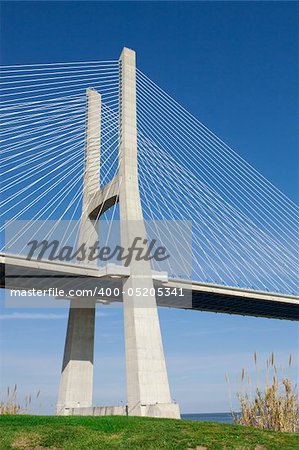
[197,295]
[99,143]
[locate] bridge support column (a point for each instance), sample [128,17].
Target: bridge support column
[147,381]
[76,383]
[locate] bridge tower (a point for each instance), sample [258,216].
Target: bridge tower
[76,380]
[147,381]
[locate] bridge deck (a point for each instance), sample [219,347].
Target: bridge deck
[19,273]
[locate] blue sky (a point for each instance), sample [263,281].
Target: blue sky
[234,65]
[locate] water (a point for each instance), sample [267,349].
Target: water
[210,417]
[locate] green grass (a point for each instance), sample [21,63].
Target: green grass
[133,433]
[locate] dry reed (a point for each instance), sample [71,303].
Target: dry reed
[10,404]
[275,407]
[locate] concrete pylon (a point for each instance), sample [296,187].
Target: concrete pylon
[76,382]
[147,381]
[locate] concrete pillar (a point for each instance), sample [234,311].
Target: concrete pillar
[91,179]
[75,388]
[147,381]
[76,381]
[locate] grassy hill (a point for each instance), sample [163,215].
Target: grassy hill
[133,433]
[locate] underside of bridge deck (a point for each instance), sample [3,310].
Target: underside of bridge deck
[241,302]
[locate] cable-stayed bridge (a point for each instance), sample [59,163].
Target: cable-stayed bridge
[100,141]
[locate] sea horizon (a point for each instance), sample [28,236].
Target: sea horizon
[223,417]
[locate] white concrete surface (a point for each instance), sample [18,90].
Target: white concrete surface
[147,381]
[112,270]
[76,382]
[98,411]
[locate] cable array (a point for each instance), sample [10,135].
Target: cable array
[43,132]
[244,230]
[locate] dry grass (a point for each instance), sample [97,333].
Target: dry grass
[26,440]
[10,404]
[275,407]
